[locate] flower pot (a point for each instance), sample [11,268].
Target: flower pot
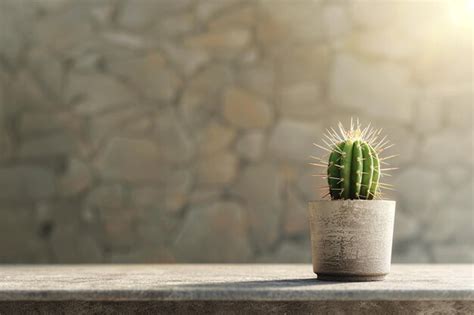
[351,239]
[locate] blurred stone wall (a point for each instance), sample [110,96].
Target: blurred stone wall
[180,130]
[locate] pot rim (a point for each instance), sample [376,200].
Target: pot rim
[354,201]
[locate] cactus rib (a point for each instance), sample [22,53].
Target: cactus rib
[353,170]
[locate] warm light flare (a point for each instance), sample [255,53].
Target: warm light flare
[470,5]
[461,13]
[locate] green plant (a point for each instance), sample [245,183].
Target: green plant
[353,163]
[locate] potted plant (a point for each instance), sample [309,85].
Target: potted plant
[351,234]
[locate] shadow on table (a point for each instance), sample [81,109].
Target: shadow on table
[260,284]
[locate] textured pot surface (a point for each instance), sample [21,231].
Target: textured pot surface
[351,239]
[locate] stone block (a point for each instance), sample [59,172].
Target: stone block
[105,196]
[52,33]
[450,145]
[283,14]
[19,240]
[188,61]
[293,139]
[16,21]
[172,138]
[169,197]
[54,145]
[225,235]
[205,195]
[77,178]
[429,116]
[124,40]
[335,21]
[309,185]
[295,218]
[206,9]
[413,252]
[453,253]
[38,123]
[452,220]
[215,137]
[244,16]
[218,169]
[48,70]
[260,188]
[23,91]
[289,252]
[92,93]
[251,145]
[450,223]
[373,14]
[302,63]
[71,245]
[108,206]
[202,95]
[459,107]
[407,226]
[130,160]
[133,121]
[246,110]
[386,43]
[302,100]
[420,191]
[149,74]
[405,144]
[382,90]
[221,43]
[259,79]
[26,183]
[142,14]
[175,25]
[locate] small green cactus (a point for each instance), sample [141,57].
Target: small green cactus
[354,166]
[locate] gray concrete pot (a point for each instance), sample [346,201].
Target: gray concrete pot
[351,239]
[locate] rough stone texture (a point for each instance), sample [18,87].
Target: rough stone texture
[150,74]
[225,234]
[406,226]
[215,137]
[289,252]
[295,219]
[26,182]
[430,115]
[170,196]
[245,110]
[219,169]
[414,182]
[76,179]
[121,121]
[301,100]
[381,90]
[449,141]
[260,187]
[92,93]
[129,160]
[294,140]
[237,282]
[251,145]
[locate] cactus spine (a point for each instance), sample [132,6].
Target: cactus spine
[354,166]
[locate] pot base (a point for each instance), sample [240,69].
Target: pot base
[349,278]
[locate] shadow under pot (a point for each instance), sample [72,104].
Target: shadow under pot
[351,239]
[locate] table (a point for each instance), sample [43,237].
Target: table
[230,289]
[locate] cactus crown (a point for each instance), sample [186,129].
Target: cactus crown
[353,163]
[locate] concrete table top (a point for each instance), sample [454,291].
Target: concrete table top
[227,283]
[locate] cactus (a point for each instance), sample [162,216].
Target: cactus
[354,166]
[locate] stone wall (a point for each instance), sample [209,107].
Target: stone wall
[179,131]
